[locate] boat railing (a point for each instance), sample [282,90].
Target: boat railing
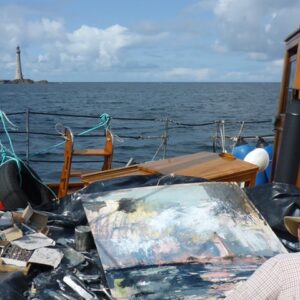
[39,141]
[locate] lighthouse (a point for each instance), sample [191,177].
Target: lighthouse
[19,75]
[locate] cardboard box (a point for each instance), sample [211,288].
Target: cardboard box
[11,233]
[35,218]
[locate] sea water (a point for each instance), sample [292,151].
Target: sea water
[139,112]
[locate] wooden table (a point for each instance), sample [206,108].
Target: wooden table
[211,166]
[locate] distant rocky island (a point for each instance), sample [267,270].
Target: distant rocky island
[19,75]
[21,81]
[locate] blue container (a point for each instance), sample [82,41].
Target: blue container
[241,149]
[261,178]
[270,150]
[265,176]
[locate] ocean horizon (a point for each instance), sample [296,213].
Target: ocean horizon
[139,112]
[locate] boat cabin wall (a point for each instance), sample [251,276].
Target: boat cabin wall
[287,144]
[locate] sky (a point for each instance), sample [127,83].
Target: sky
[146,40]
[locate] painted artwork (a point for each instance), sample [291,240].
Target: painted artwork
[176,227]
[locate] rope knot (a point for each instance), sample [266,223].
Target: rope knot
[104,120]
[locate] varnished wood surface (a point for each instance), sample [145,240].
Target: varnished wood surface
[66,169]
[91,152]
[206,165]
[113,173]
[297,71]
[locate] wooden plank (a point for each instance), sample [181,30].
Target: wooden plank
[298,178]
[65,173]
[111,174]
[91,152]
[297,71]
[79,173]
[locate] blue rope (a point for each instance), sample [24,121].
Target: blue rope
[8,154]
[104,123]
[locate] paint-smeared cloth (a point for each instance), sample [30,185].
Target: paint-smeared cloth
[278,278]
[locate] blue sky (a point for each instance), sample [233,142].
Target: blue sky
[139,40]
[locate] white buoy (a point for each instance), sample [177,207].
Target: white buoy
[259,157]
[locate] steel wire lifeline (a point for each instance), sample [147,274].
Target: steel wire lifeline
[136,119]
[105,120]
[143,119]
[8,155]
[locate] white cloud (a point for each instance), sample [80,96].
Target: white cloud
[257,56]
[256,26]
[268,72]
[202,5]
[274,67]
[43,58]
[218,47]
[243,29]
[244,77]
[47,40]
[99,46]
[44,29]
[201,74]
[278,63]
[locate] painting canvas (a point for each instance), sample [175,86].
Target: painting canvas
[137,230]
